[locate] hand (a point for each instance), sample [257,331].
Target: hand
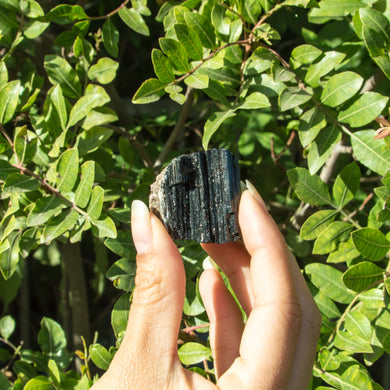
[274,349]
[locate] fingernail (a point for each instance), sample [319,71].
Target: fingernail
[208,263]
[255,194]
[141,228]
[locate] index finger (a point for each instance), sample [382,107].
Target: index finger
[269,339]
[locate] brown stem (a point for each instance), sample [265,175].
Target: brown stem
[115,11]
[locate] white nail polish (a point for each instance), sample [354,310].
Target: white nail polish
[255,194]
[140,226]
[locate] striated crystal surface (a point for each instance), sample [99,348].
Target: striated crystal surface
[196,197]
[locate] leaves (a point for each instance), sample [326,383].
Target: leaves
[341,87]
[212,125]
[68,168]
[364,110]
[371,243]
[9,98]
[134,20]
[362,276]
[176,53]
[373,153]
[150,91]
[104,71]
[193,353]
[309,189]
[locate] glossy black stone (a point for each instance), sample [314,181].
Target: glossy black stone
[196,197]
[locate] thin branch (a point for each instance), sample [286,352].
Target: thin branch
[177,129]
[133,140]
[112,13]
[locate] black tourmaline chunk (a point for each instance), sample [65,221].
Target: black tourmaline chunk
[196,197]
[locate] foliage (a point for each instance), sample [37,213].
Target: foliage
[292,87]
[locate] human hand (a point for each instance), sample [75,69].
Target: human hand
[274,349]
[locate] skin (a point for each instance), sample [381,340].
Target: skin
[273,350]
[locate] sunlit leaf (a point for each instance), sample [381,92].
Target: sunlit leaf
[362,275]
[371,243]
[134,20]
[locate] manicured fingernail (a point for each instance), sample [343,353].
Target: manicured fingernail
[208,263]
[255,194]
[141,228]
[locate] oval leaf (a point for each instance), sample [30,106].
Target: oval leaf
[371,243]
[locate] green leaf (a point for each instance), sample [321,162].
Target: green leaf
[193,353]
[122,274]
[356,378]
[334,233]
[122,245]
[95,96]
[371,243]
[346,185]
[344,253]
[150,91]
[6,169]
[327,307]
[68,169]
[255,101]
[162,67]
[25,144]
[105,227]
[329,281]
[309,189]
[38,383]
[7,326]
[190,40]
[176,53]
[17,183]
[9,99]
[96,202]
[45,208]
[362,275]
[104,71]
[213,123]
[110,36]
[356,335]
[84,189]
[100,356]
[203,28]
[321,148]
[65,14]
[375,31]
[251,10]
[220,20]
[120,314]
[373,153]
[99,116]
[58,101]
[329,9]
[310,124]
[304,54]
[60,72]
[197,81]
[51,337]
[134,20]
[292,97]
[364,110]
[341,87]
[89,140]
[59,225]
[4,382]
[323,67]
[317,223]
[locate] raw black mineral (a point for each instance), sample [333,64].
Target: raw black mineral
[196,197]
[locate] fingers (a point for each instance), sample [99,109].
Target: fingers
[268,343]
[157,304]
[309,333]
[234,261]
[226,323]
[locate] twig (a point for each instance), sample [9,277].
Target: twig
[138,145]
[362,206]
[177,129]
[115,11]
[193,328]
[276,157]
